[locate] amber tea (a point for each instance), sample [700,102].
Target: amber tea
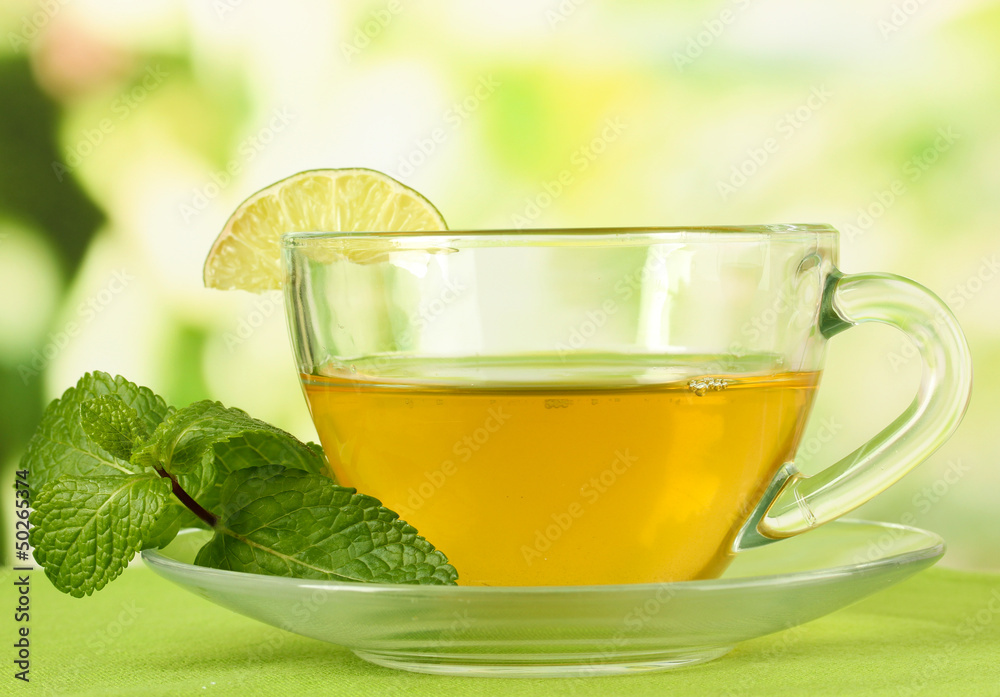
[603,475]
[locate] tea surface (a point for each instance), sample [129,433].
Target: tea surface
[563,473]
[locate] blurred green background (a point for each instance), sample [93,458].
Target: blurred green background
[130,131]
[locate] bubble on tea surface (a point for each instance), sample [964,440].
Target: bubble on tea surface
[702,386]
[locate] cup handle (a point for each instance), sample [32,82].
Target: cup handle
[795,503]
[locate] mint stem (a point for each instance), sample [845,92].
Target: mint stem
[186,499]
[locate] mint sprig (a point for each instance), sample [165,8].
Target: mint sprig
[113,425]
[120,471]
[289,523]
[86,529]
[203,442]
[61,446]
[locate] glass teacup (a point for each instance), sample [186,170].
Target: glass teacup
[595,406]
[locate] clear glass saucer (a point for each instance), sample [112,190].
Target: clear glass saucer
[572,630]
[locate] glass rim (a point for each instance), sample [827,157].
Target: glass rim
[764,231]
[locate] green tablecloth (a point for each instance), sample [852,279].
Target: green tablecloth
[936,634]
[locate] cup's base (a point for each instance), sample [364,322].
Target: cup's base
[542,665]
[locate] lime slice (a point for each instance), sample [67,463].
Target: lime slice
[247,255]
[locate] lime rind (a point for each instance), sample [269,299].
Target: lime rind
[247,255]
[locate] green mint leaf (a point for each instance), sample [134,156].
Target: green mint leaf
[87,529]
[60,446]
[284,522]
[203,442]
[174,517]
[256,449]
[112,424]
